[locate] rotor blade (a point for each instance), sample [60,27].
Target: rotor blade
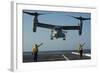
[29,13]
[43,13]
[86,18]
[80,18]
[74,17]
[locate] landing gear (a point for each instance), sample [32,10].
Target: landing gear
[51,38]
[64,38]
[51,34]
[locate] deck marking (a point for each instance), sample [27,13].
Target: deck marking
[65,57]
[89,55]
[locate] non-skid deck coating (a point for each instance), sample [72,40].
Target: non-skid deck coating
[49,56]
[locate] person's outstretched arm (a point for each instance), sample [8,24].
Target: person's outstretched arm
[40,45]
[83,44]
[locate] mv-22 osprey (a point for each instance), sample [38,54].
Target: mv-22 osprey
[57,31]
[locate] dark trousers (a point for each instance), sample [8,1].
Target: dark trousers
[81,53]
[35,57]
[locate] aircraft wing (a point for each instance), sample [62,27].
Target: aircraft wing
[86,18]
[70,27]
[49,26]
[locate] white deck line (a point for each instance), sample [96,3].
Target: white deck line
[65,57]
[89,55]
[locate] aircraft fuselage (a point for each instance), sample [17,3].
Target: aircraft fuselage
[57,34]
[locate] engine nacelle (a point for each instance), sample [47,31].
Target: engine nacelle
[34,27]
[80,29]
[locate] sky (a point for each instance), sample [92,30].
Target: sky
[42,35]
